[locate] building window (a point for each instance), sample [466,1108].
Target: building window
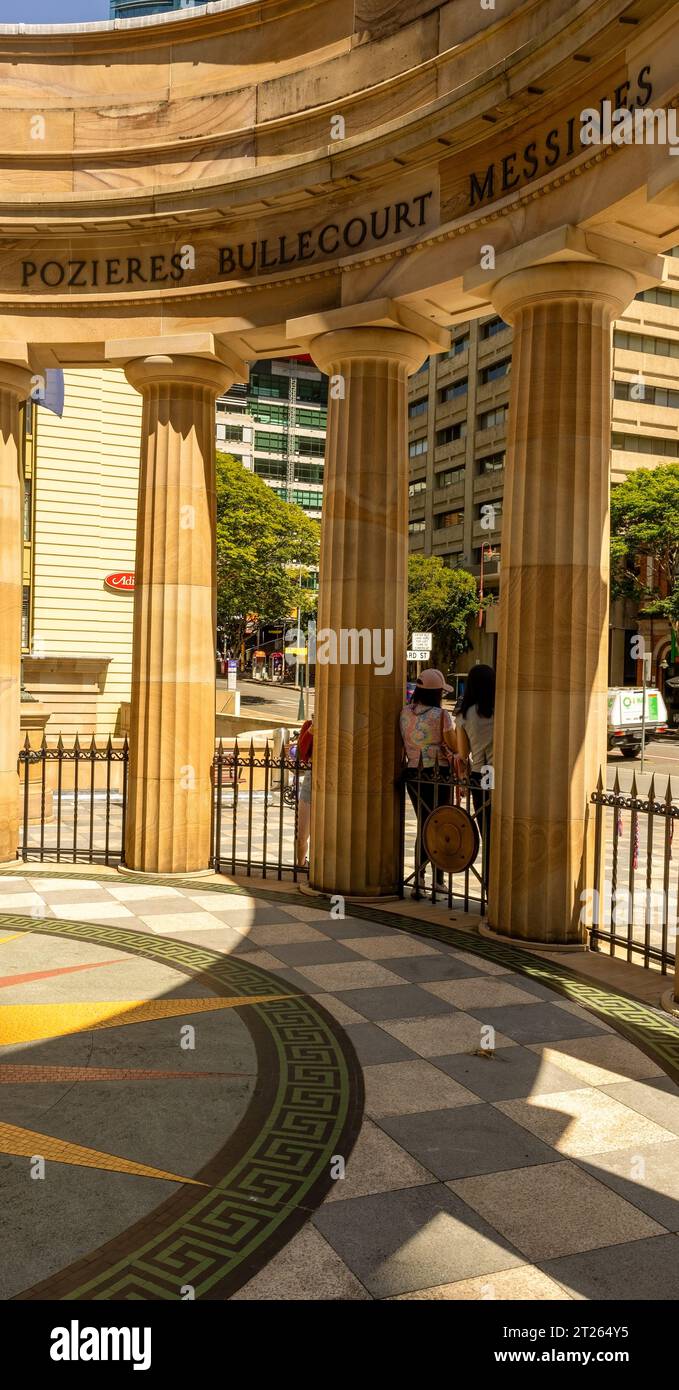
[269,468]
[309,472]
[660,296]
[496,370]
[423,368]
[417,446]
[28,508]
[417,407]
[414,526]
[493,326]
[644,342]
[449,477]
[455,518]
[457,347]
[312,419]
[271,443]
[417,487]
[311,444]
[25,619]
[230,432]
[313,389]
[268,384]
[452,562]
[451,433]
[638,391]
[493,419]
[456,388]
[267,414]
[310,501]
[646,444]
[492,463]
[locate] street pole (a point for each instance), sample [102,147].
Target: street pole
[301,711]
[644,660]
[299,642]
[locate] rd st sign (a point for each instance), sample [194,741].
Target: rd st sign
[422,642]
[417,654]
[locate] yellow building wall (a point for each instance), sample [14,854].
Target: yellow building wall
[87,470]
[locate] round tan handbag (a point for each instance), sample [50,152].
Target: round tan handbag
[451,839]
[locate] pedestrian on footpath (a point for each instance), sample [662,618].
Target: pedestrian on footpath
[474,751]
[304,755]
[428,739]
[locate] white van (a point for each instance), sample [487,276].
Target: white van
[625,709]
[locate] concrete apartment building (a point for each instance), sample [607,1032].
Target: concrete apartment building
[458,406]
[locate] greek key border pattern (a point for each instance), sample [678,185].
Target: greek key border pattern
[271,1174]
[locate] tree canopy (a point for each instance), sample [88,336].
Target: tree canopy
[442,601]
[645,523]
[263,543]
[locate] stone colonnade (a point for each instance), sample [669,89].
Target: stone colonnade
[552,669]
[552,660]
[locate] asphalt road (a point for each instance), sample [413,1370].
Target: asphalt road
[263,698]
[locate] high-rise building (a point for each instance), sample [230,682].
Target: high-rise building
[276,425]
[458,408]
[136,9]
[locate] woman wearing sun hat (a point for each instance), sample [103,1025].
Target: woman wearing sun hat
[428,738]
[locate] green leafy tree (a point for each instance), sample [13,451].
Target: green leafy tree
[263,545]
[441,601]
[645,524]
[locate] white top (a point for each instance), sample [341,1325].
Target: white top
[479,731]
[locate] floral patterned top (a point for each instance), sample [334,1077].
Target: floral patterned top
[421,727]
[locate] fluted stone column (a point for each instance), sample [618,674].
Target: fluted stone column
[363,588]
[550,726]
[172,728]
[15,384]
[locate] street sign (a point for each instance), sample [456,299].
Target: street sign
[232,673]
[423,642]
[418,654]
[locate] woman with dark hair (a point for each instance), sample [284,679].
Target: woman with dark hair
[428,738]
[474,737]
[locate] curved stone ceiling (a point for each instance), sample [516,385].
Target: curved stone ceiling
[257,161]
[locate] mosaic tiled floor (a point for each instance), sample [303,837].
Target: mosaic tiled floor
[519,1136]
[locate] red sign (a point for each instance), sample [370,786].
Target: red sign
[122,583]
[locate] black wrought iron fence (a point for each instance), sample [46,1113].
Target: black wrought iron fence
[74,804]
[634,902]
[73,801]
[256,811]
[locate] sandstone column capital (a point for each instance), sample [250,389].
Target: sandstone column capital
[368,343]
[609,286]
[181,370]
[15,379]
